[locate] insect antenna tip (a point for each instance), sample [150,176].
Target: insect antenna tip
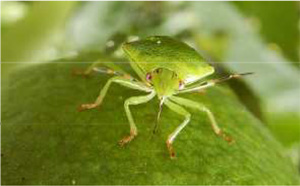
[246,73]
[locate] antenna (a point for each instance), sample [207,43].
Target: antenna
[158,114]
[231,77]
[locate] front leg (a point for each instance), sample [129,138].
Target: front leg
[133,101]
[127,82]
[179,110]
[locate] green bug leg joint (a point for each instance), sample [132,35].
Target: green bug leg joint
[127,139]
[166,67]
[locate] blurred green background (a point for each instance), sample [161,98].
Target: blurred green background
[260,37]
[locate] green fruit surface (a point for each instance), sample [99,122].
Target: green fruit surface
[45,140]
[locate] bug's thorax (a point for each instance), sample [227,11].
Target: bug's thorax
[165,82]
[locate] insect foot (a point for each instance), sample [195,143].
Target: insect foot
[127,139]
[171,150]
[86,106]
[226,138]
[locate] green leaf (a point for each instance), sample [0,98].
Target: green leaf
[46,141]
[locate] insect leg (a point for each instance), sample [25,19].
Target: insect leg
[133,101]
[103,67]
[117,79]
[203,108]
[179,110]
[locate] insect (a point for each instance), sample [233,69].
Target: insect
[166,68]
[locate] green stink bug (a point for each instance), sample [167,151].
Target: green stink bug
[165,67]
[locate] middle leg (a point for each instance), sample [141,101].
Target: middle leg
[201,107]
[117,79]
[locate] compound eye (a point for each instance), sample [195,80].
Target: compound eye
[181,85]
[148,77]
